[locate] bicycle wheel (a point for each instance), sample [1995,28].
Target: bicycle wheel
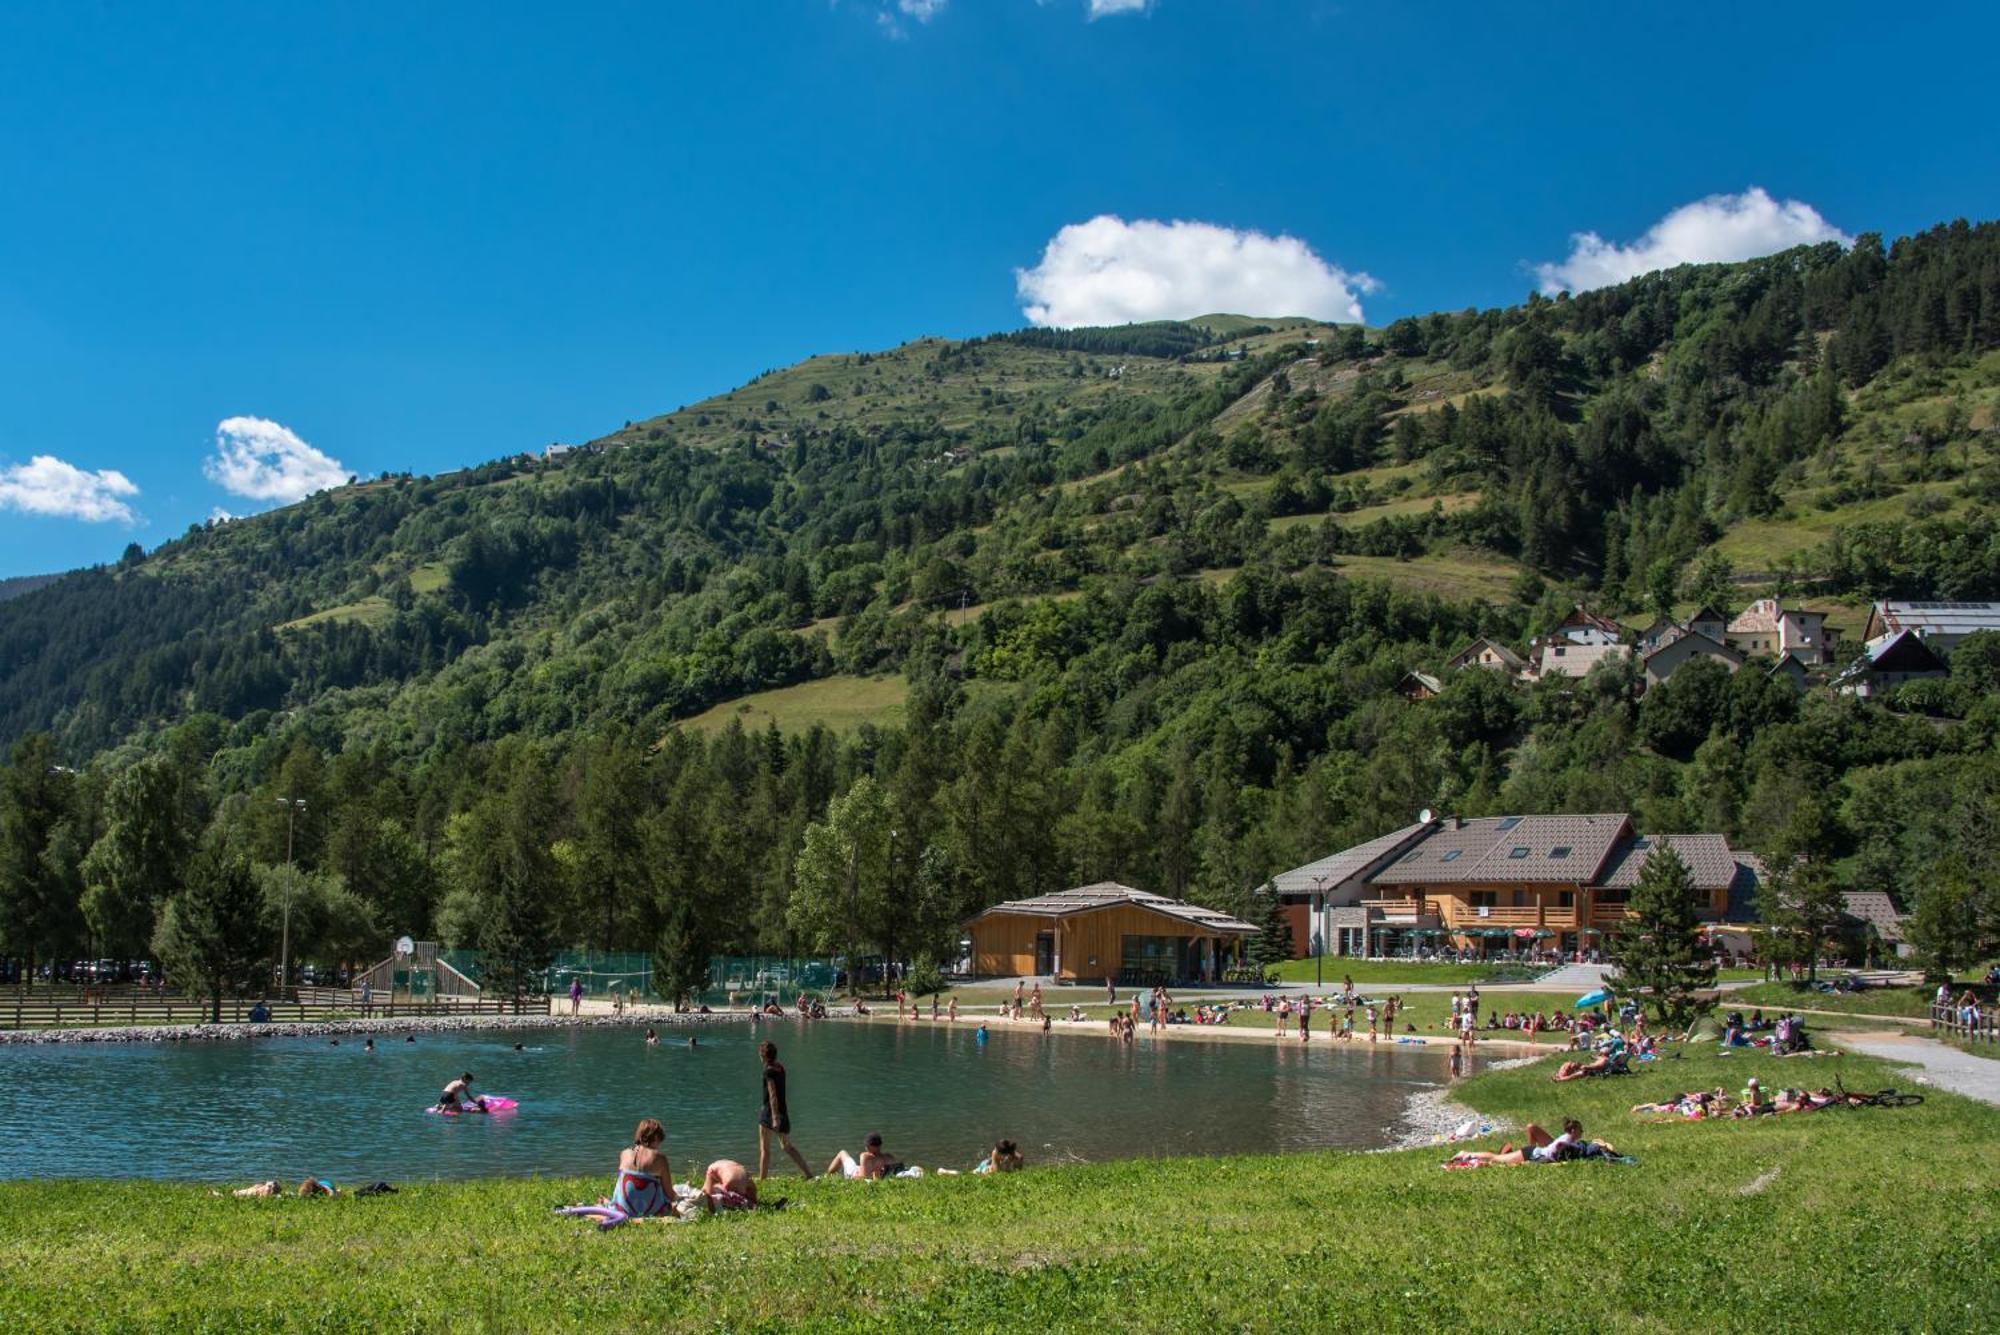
[1889,1098]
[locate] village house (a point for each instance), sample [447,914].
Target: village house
[1583,626]
[1104,932]
[1888,662]
[1684,648]
[1562,657]
[1497,882]
[1486,653]
[1769,629]
[1940,625]
[1419,686]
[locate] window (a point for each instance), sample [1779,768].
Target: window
[1559,852]
[1482,899]
[1518,851]
[1566,899]
[1413,855]
[1452,856]
[1510,822]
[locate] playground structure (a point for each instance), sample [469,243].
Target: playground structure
[417,972]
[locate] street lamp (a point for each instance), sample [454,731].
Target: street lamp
[1319,930]
[293,806]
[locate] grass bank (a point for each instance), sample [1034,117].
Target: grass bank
[1876,1220]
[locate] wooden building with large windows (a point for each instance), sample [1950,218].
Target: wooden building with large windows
[1499,883]
[1107,930]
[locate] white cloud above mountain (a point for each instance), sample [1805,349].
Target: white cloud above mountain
[1110,271]
[46,485]
[264,460]
[1106,8]
[1713,230]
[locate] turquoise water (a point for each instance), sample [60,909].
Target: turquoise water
[251,1109]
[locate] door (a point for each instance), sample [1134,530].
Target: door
[1045,953]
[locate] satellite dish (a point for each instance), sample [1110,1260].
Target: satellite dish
[1424,816]
[405,946]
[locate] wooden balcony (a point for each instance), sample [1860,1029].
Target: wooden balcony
[1608,915]
[1399,908]
[1462,916]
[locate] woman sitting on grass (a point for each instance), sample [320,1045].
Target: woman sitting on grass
[1695,1104]
[641,1190]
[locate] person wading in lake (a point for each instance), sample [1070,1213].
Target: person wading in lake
[774,1118]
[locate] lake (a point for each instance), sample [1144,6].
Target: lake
[250,1109]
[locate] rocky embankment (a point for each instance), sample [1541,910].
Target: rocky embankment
[407,1026]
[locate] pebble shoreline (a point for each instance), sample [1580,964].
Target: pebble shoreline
[411,1024]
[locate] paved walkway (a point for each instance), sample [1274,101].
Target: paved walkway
[1582,977]
[1945,1067]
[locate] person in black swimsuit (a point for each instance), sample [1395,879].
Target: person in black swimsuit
[773,1117]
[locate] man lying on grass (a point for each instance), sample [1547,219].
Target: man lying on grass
[1541,1148]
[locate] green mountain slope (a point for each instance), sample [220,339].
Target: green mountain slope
[1781,413]
[1088,603]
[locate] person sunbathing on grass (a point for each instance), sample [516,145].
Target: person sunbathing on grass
[875,1162]
[727,1185]
[1004,1157]
[1541,1148]
[1696,1103]
[312,1186]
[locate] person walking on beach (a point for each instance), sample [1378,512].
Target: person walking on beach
[1284,1015]
[774,1118]
[575,995]
[1371,1022]
[951,1011]
[1305,1020]
[1110,991]
[1035,1002]
[1020,990]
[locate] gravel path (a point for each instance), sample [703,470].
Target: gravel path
[1944,1067]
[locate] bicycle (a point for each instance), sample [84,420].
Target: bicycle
[1887,1098]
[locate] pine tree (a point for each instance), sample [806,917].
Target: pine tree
[1272,945]
[1657,949]
[681,954]
[211,934]
[1943,926]
[517,938]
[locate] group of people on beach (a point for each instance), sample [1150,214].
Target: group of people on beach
[645,1188]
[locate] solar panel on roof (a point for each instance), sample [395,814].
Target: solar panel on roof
[1559,851]
[1518,851]
[1452,856]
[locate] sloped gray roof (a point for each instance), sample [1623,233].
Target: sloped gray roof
[1708,857]
[1931,618]
[1109,894]
[1465,656]
[1508,848]
[1330,871]
[1875,908]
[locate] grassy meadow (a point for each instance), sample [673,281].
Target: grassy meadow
[1871,1219]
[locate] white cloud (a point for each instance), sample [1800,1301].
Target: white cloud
[1105,8]
[890,17]
[45,485]
[1109,271]
[1708,231]
[265,461]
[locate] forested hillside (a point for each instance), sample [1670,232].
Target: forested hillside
[1144,594]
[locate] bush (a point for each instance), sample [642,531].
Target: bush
[926,979]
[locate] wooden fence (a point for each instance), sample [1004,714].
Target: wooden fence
[45,1007]
[1951,1020]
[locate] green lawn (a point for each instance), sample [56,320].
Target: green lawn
[1911,1001]
[1364,972]
[1777,1224]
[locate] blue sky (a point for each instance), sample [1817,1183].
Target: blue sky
[365,240]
